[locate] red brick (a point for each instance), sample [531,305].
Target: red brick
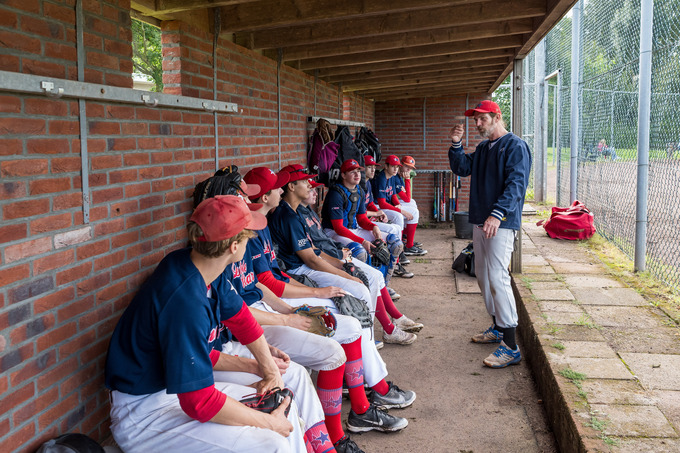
[10,63]
[51,223]
[32,368]
[124,239]
[37,405]
[93,284]
[10,104]
[152,259]
[111,292]
[92,249]
[109,260]
[124,207]
[53,185]
[44,68]
[11,147]
[53,261]
[23,167]
[42,106]
[64,127]
[74,273]
[21,42]
[52,377]
[135,190]
[59,12]
[50,416]
[61,51]
[27,249]
[103,128]
[48,146]
[14,274]
[42,27]
[110,227]
[67,201]
[135,159]
[101,60]
[96,350]
[107,195]
[121,144]
[11,233]
[124,270]
[19,438]
[152,230]
[78,343]
[53,300]
[74,309]
[123,176]
[150,173]
[134,128]
[26,208]
[105,162]
[65,164]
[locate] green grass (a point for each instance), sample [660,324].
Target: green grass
[559,346]
[586,321]
[577,379]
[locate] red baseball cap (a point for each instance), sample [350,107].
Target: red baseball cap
[484,107]
[369,160]
[266,179]
[224,216]
[296,172]
[408,161]
[392,160]
[349,165]
[315,184]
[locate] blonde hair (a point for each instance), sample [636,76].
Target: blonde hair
[501,121]
[217,248]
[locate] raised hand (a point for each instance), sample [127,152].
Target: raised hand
[457,132]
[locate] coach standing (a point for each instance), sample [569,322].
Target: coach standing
[499,170]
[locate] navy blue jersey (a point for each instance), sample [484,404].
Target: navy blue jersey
[290,233]
[383,188]
[368,199]
[397,183]
[164,338]
[336,207]
[243,277]
[319,238]
[263,255]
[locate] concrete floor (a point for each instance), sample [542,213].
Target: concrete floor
[461,405]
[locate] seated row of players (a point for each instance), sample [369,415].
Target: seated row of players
[178,336]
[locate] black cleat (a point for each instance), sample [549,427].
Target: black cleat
[374,419]
[395,398]
[347,445]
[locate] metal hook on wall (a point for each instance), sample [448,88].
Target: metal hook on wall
[148,101]
[48,87]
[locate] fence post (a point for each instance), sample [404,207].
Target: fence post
[644,117]
[517,88]
[540,118]
[575,78]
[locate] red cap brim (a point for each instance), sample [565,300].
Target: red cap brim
[258,221]
[250,189]
[282,178]
[315,184]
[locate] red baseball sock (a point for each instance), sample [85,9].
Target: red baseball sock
[391,309]
[329,389]
[382,316]
[381,387]
[354,377]
[317,439]
[410,230]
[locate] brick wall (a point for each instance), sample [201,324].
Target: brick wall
[399,126]
[63,283]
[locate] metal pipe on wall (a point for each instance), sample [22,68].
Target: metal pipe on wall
[216,33]
[82,115]
[575,79]
[644,118]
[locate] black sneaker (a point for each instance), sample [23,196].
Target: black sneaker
[400,271]
[414,251]
[395,398]
[374,419]
[403,260]
[347,445]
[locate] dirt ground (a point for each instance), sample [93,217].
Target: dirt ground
[461,405]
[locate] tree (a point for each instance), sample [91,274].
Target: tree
[147,55]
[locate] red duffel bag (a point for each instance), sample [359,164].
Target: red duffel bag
[574,222]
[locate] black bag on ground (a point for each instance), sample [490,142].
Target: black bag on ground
[465,261]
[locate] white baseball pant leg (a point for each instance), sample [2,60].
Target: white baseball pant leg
[306,348]
[492,258]
[412,208]
[395,217]
[376,280]
[375,368]
[295,378]
[156,422]
[390,228]
[356,289]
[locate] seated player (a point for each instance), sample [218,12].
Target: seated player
[161,359]
[380,219]
[344,218]
[287,331]
[387,189]
[405,195]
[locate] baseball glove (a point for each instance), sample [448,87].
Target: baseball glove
[354,271]
[351,306]
[323,321]
[269,401]
[304,279]
[380,252]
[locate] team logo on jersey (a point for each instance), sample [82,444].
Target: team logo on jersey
[240,270]
[302,242]
[269,250]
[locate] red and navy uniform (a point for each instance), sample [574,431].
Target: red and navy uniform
[337,207]
[243,277]
[164,338]
[264,257]
[291,233]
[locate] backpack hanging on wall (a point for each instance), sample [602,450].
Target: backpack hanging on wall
[322,151]
[348,150]
[368,143]
[573,223]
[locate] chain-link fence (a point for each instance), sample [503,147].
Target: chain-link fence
[608,124]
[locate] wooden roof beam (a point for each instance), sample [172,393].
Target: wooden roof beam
[409,39]
[419,52]
[436,92]
[367,77]
[479,81]
[368,27]
[398,81]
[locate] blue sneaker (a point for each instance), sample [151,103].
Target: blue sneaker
[490,335]
[503,356]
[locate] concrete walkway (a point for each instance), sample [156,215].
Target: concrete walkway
[607,362]
[461,406]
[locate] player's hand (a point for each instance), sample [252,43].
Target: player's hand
[367,245]
[298,322]
[376,232]
[269,381]
[281,359]
[490,227]
[407,215]
[381,216]
[329,291]
[280,423]
[346,254]
[457,133]
[405,172]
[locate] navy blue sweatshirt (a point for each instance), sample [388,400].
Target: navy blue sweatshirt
[499,178]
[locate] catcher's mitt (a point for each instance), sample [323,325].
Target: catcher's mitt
[323,321]
[354,271]
[226,181]
[269,401]
[351,306]
[380,252]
